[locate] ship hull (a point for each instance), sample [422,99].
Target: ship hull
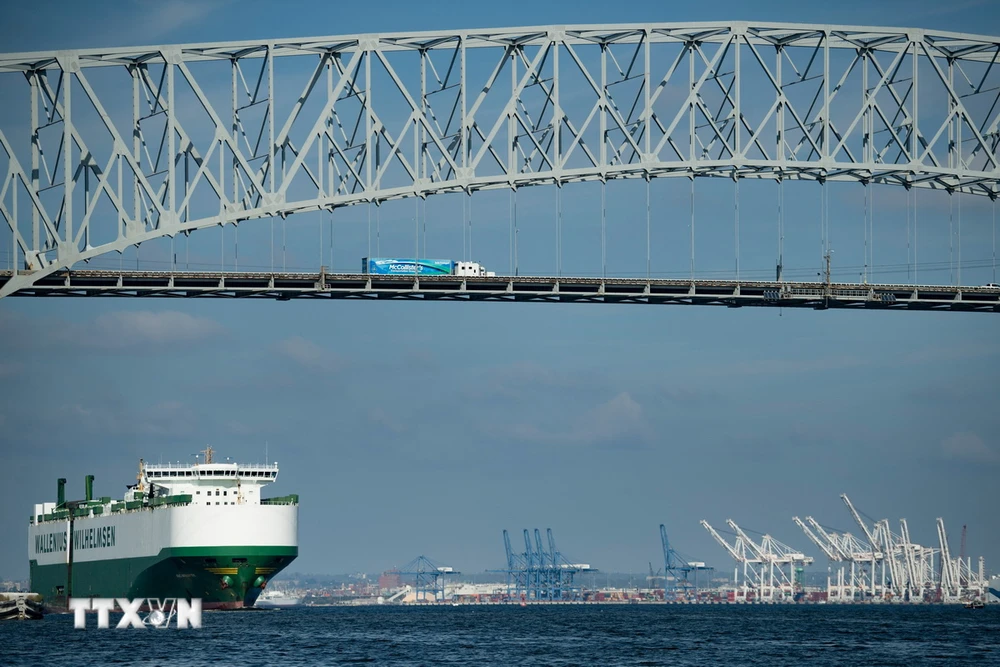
[223,578]
[223,555]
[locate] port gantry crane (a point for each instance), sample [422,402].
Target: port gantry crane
[840,548]
[537,574]
[853,551]
[777,555]
[739,552]
[833,553]
[877,555]
[950,587]
[677,568]
[429,578]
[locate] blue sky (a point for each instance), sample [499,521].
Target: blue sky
[412,428]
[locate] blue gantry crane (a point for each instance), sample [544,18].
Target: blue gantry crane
[677,568]
[428,578]
[540,572]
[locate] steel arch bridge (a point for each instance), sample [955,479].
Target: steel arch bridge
[103,149]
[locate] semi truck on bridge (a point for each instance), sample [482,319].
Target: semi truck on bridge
[422,267]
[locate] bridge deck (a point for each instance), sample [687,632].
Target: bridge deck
[322,285]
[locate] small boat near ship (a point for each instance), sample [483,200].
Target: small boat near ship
[278,598]
[21,606]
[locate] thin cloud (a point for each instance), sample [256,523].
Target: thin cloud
[787,366]
[163,17]
[969,447]
[166,419]
[308,354]
[618,422]
[10,368]
[141,327]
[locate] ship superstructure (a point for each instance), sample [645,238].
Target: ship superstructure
[198,530]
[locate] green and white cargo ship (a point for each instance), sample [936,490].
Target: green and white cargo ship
[182,531]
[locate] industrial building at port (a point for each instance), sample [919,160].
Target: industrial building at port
[877,565]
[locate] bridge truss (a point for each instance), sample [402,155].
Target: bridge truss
[104,149]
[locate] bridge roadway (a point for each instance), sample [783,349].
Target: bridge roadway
[323,285]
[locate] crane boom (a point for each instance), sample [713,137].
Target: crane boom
[507,548]
[857,518]
[824,547]
[908,556]
[667,559]
[835,544]
[739,558]
[758,551]
[541,551]
[949,577]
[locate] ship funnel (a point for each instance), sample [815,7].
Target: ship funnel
[61,493]
[88,483]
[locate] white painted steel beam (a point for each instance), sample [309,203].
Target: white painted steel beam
[370,118]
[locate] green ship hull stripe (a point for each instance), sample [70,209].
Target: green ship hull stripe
[176,572]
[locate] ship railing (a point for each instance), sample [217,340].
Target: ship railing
[292,499]
[188,466]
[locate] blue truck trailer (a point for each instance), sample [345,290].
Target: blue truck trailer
[393,266]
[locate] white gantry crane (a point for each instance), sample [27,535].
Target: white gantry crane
[743,554]
[769,567]
[888,567]
[842,549]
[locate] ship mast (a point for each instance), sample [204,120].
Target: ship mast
[208,453]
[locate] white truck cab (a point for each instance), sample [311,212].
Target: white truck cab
[472,269]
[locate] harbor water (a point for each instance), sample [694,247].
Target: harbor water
[533,635]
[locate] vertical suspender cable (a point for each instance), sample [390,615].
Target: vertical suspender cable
[994,241]
[781,228]
[559,229]
[822,222]
[865,269]
[331,238]
[692,228]
[378,229]
[871,231]
[284,244]
[959,197]
[908,209]
[515,233]
[951,238]
[916,264]
[471,256]
[647,228]
[510,232]
[321,212]
[604,222]
[369,230]
[736,221]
